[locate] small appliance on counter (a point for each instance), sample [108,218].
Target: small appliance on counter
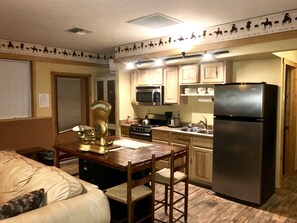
[174,122]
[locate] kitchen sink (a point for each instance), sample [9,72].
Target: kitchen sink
[197,130]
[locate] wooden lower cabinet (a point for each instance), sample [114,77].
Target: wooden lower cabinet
[201,160]
[201,164]
[180,139]
[200,153]
[160,136]
[125,130]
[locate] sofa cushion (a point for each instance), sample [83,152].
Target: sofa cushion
[15,172]
[22,204]
[57,184]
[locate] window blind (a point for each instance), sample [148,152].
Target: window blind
[15,89]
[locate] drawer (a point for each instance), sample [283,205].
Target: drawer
[160,135]
[202,142]
[178,138]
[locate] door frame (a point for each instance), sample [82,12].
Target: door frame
[88,95]
[283,154]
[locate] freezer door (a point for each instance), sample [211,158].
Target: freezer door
[237,155]
[239,100]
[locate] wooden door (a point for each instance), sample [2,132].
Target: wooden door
[105,90]
[290,132]
[188,74]
[71,104]
[201,164]
[212,72]
[156,76]
[171,87]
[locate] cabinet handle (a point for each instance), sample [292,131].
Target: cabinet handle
[85,168]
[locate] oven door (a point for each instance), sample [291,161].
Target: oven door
[140,135]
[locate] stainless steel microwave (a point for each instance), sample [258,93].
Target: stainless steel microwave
[149,95]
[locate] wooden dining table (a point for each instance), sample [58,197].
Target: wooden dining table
[110,167]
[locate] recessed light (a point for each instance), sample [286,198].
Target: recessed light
[79,31]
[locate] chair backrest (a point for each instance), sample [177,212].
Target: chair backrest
[141,174]
[179,161]
[144,171]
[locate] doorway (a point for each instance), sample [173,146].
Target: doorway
[290,128]
[105,90]
[71,104]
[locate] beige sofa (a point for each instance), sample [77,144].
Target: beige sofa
[66,198]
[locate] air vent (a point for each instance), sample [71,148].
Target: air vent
[155,21]
[79,31]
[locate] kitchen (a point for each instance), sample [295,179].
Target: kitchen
[266,69]
[252,61]
[193,111]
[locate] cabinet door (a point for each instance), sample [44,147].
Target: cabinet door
[156,76]
[201,164]
[171,87]
[133,80]
[188,74]
[180,139]
[143,77]
[125,130]
[213,72]
[160,136]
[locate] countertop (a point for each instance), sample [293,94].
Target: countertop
[168,129]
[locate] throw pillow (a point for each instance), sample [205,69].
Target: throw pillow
[21,204]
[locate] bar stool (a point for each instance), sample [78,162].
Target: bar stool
[136,188]
[177,172]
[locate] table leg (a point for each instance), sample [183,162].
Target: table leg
[57,159]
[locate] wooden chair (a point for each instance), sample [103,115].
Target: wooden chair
[177,172]
[140,184]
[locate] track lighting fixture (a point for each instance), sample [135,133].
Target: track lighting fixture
[159,62]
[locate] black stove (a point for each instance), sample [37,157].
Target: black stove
[141,128]
[144,132]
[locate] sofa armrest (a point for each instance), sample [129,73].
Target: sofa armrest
[91,207]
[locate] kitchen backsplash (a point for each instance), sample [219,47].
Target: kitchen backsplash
[189,113]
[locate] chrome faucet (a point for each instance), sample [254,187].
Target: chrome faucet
[204,123]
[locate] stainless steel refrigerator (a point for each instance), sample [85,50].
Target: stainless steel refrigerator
[245,141]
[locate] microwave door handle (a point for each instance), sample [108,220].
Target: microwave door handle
[153,94]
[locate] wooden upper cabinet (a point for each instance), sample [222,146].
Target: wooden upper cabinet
[142,77]
[189,74]
[171,86]
[156,76]
[133,81]
[152,76]
[215,72]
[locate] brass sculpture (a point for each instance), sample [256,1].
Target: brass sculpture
[93,139]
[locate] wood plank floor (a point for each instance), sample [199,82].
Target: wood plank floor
[206,206]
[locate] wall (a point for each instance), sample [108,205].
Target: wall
[189,113]
[43,79]
[270,71]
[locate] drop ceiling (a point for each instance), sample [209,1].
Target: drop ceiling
[45,22]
